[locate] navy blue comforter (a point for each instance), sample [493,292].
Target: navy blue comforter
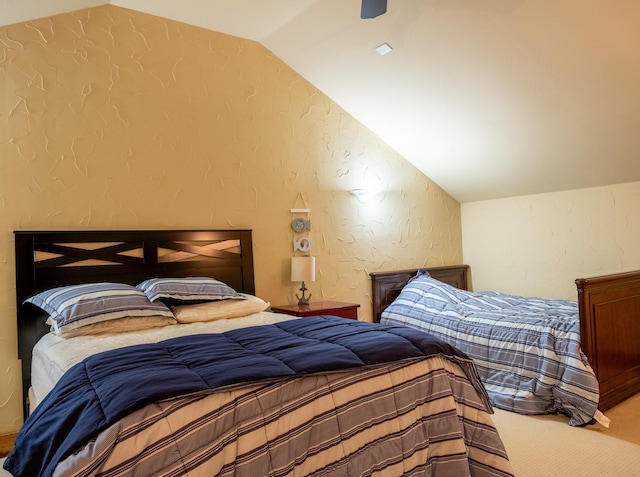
[105,387]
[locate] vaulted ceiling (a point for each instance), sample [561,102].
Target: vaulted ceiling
[489,98]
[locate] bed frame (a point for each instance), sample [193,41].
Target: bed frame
[609,322]
[46,259]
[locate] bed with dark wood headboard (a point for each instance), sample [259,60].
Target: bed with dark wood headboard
[188,426]
[47,259]
[609,308]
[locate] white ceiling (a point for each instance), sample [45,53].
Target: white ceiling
[489,98]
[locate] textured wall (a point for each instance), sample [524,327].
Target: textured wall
[538,245]
[112,119]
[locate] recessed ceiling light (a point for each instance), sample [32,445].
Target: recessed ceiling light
[383,49]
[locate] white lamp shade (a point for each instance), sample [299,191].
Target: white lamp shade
[303,269]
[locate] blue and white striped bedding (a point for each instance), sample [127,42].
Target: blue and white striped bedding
[527,350]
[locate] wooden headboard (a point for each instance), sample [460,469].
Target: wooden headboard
[48,259]
[386,286]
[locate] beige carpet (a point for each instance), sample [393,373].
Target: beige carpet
[546,446]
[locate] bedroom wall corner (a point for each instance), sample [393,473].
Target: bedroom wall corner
[114,119]
[538,245]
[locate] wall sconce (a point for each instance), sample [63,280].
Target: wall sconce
[365,195]
[303,269]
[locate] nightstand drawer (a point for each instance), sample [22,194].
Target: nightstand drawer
[333,308]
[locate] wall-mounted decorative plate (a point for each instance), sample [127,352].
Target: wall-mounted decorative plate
[303,244]
[300,225]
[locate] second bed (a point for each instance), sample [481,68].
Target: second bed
[529,351]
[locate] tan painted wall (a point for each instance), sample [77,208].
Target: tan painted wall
[538,245]
[112,119]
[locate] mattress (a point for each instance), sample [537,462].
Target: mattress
[52,355]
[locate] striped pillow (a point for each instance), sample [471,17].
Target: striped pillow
[72,307]
[189,289]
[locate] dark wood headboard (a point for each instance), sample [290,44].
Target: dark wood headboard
[48,259]
[386,286]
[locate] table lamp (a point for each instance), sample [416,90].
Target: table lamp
[303,269]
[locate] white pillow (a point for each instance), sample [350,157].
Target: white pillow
[120,325]
[218,310]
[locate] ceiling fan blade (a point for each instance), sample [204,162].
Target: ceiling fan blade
[373,8]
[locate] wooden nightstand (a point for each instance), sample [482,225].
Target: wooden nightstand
[333,308]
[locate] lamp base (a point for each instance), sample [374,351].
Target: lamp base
[303,300]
